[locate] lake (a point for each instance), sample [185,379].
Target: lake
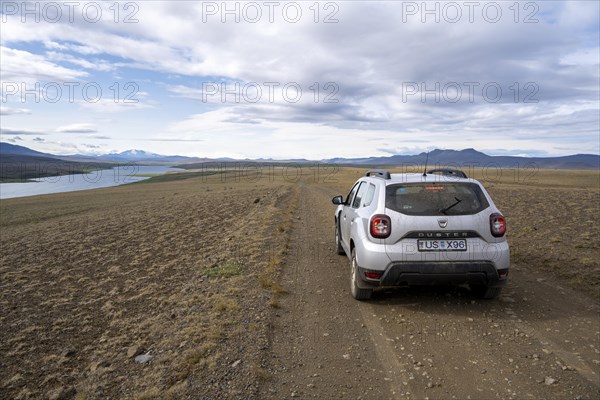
[117,176]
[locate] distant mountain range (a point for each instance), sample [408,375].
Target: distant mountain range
[7,148]
[139,156]
[20,164]
[474,158]
[459,158]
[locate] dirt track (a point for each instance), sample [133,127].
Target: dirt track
[538,340]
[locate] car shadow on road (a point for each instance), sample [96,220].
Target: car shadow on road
[426,293]
[527,301]
[450,311]
[458,301]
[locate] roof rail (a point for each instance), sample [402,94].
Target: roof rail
[380,173]
[447,171]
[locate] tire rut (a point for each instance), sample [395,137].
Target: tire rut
[534,341]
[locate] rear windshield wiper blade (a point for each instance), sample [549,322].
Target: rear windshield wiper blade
[444,210]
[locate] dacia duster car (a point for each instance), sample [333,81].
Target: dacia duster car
[438,227]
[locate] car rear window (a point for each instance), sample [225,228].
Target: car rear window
[435,198]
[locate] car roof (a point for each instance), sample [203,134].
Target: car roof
[418,178]
[414,177]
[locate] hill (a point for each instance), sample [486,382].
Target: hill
[466,158]
[474,158]
[20,164]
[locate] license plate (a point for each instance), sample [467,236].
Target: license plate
[442,245]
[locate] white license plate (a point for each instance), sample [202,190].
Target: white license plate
[442,245]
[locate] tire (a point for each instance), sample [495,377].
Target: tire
[357,293]
[338,240]
[485,292]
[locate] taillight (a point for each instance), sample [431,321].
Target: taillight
[373,275]
[381,226]
[497,225]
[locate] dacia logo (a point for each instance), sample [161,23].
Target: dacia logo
[443,222]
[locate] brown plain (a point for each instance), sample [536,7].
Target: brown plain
[199,273]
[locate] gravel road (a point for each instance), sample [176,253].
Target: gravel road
[537,340]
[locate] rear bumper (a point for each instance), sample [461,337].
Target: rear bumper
[434,273]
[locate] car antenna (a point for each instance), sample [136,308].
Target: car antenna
[426,159]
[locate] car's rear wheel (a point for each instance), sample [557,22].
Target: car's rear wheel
[357,293]
[485,292]
[338,240]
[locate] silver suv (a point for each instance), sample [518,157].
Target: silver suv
[439,227]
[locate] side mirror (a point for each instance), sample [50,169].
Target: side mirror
[337,200]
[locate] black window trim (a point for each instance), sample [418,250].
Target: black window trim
[485,204]
[348,201]
[362,183]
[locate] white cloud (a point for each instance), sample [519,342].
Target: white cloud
[370,55]
[14,139]
[110,106]
[24,67]
[14,111]
[94,64]
[77,128]
[22,132]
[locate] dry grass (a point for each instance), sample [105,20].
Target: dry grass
[554,230]
[261,374]
[189,271]
[149,394]
[173,267]
[225,270]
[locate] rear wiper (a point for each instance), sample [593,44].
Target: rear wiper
[444,210]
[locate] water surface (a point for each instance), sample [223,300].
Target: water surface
[116,176]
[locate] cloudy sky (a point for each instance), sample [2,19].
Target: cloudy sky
[301,79]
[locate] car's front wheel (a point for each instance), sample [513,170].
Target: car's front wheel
[357,293]
[338,240]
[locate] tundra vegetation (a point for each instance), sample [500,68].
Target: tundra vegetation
[185,269]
